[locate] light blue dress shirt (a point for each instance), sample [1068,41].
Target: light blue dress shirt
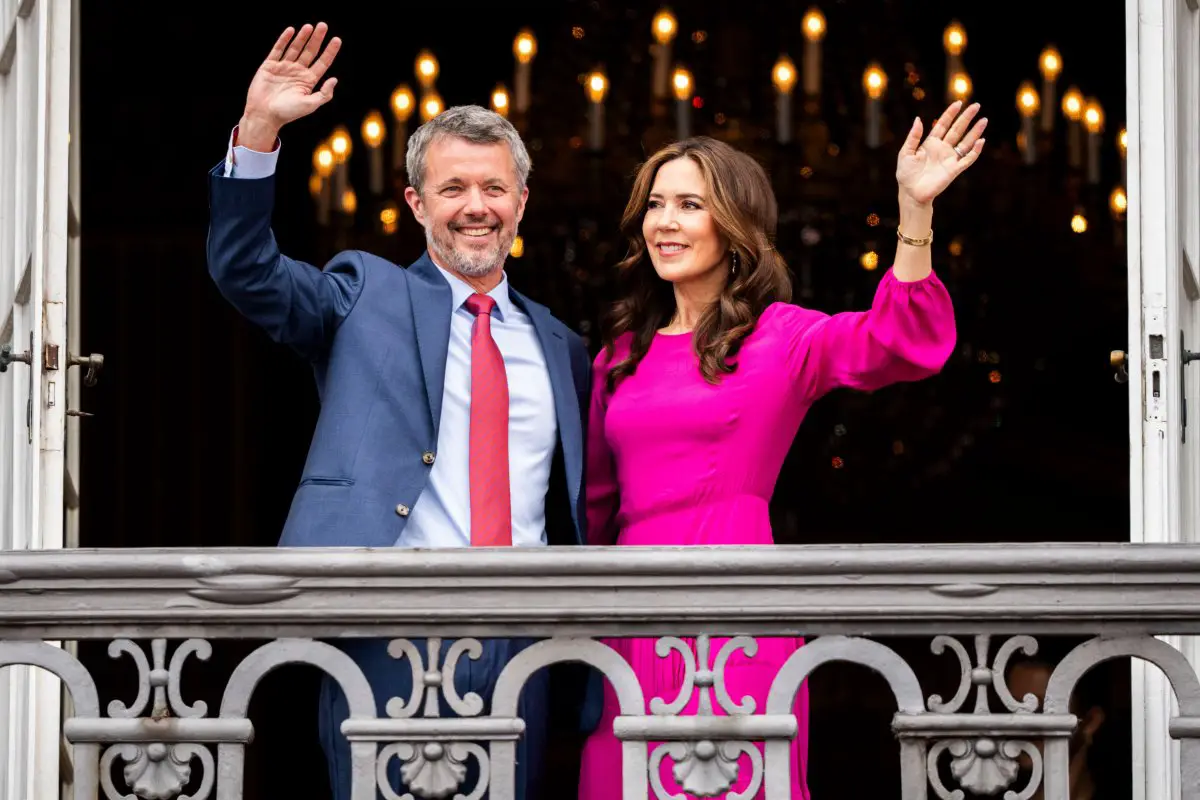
[442,514]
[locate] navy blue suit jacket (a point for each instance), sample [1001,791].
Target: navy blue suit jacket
[377,337]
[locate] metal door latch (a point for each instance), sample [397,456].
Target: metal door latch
[1185,357]
[7,356]
[93,362]
[1118,361]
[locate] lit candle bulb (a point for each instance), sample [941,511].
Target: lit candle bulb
[1123,149]
[954,40]
[402,104]
[1028,104]
[339,143]
[426,68]
[596,86]
[372,134]
[663,27]
[874,84]
[814,32]
[389,218]
[323,166]
[784,77]
[1118,203]
[524,49]
[1093,119]
[681,82]
[500,100]
[1050,63]
[960,87]
[431,106]
[1072,106]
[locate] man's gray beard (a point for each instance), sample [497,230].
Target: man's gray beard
[474,265]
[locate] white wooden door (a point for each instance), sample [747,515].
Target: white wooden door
[35,241]
[1163,71]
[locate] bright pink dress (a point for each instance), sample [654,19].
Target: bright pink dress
[673,460]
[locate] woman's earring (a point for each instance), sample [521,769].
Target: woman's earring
[735,261]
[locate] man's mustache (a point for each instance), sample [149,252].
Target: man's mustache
[474,223]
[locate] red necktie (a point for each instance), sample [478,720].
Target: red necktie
[491,505]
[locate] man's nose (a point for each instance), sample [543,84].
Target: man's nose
[475,204]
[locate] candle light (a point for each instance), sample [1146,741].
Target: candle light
[1028,104]
[1093,119]
[1050,63]
[1123,149]
[349,202]
[954,40]
[663,27]
[402,104]
[323,166]
[500,102]
[431,106]
[874,84]
[372,134]
[524,48]
[596,86]
[1118,203]
[814,32]
[681,82]
[784,77]
[960,86]
[426,68]
[1072,106]
[389,218]
[339,143]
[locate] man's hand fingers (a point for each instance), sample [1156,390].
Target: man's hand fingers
[318,99]
[280,44]
[322,64]
[298,43]
[314,44]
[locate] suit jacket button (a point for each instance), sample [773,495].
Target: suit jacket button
[427,457]
[402,510]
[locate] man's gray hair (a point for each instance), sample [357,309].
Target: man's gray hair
[473,123]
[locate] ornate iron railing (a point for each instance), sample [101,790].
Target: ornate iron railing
[1121,596]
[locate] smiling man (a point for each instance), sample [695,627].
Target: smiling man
[450,403]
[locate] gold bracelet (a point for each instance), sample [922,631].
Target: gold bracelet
[914,242]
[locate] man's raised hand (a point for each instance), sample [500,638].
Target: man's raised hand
[285,86]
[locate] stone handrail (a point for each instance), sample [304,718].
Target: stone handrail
[996,597]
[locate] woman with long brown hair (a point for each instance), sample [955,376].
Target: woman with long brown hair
[708,370]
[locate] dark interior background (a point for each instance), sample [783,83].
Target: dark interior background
[201,423]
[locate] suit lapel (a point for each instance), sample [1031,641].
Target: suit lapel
[431,307]
[566,401]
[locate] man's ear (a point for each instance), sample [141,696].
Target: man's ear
[524,198]
[413,198]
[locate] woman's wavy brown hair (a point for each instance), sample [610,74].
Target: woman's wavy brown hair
[742,205]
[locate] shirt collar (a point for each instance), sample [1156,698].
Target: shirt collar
[460,290]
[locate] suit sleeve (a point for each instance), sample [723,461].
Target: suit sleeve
[294,302]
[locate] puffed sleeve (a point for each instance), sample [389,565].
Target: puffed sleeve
[908,334]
